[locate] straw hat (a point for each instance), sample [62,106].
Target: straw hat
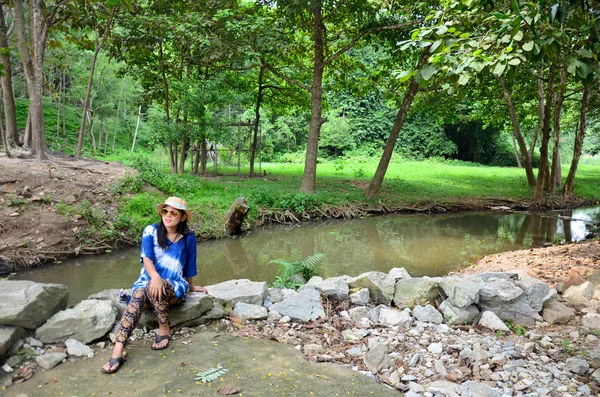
[177,203]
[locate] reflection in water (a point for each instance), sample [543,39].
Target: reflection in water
[423,244]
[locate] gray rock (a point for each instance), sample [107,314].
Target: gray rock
[536,291]
[33,342]
[580,294]
[556,312]
[392,318]
[8,337]
[335,288]
[360,297]
[427,314]
[399,273]
[591,321]
[595,357]
[50,360]
[246,311]
[86,322]
[479,389]
[112,296]
[302,307]
[357,313]
[275,295]
[462,292]
[415,291]
[508,302]
[377,358]
[435,348]
[491,321]
[27,304]
[234,291]
[198,308]
[13,361]
[595,279]
[577,366]
[456,315]
[445,388]
[78,349]
[380,285]
[596,375]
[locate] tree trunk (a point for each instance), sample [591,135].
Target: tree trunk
[570,182]
[555,175]
[235,216]
[538,196]
[540,95]
[10,134]
[517,133]
[203,157]
[27,135]
[182,152]
[259,98]
[2,131]
[384,162]
[117,117]
[100,135]
[32,56]
[92,116]
[137,126]
[516,151]
[312,149]
[91,80]
[58,105]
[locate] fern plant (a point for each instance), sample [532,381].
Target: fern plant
[307,268]
[210,374]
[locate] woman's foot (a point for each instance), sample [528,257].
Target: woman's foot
[161,342]
[113,365]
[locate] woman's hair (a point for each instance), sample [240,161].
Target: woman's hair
[161,232]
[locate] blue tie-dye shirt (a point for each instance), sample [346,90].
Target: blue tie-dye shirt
[174,264]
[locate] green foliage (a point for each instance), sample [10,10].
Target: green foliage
[500,333]
[127,184]
[210,374]
[137,212]
[516,328]
[307,268]
[567,346]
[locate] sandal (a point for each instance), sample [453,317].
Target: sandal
[111,363]
[159,339]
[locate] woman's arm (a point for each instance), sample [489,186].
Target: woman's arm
[195,288]
[157,284]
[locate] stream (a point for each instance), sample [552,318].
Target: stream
[425,245]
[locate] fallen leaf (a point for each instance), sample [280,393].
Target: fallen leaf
[53,381]
[229,390]
[182,364]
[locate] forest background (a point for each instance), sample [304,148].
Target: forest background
[449,101]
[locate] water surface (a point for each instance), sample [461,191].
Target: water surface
[429,245]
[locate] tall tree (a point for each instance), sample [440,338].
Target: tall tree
[7,84]
[99,25]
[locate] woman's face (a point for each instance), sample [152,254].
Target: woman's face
[171,216]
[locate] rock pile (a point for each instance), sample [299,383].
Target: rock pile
[461,335]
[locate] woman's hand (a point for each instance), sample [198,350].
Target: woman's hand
[197,288]
[157,287]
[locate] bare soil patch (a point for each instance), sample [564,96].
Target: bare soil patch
[32,229]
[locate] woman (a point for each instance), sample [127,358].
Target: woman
[168,256]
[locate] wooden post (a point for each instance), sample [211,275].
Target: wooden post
[235,216]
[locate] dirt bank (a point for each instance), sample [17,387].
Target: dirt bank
[35,197]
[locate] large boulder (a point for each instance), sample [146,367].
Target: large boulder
[556,312]
[246,311]
[303,306]
[508,302]
[427,314]
[234,291]
[8,336]
[186,314]
[535,290]
[112,295]
[462,292]
[89,320]
[334,288]
[415,291]
[380,285]
[457,315]
[579,294]
[27,304]
[5,268]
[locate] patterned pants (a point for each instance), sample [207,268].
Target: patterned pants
[140,301]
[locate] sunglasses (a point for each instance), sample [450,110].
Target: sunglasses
[174,213]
